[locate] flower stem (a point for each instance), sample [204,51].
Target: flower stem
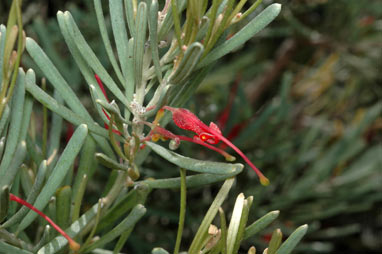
[263,180]
[73,244]
[182,213]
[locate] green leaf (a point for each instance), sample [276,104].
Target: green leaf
[260,224]
[122,240]
[2,145]
[48,233]
[106,40]
[153,31]
[7,248]
[86,164]
[74,36]
[243,223]
[193,164]
[4,120]
[26,178]
[159,251]
[139,50]
[56,128]
[63,205]
[32,195]
[110,163]
[247,32]
[292,240]
[234,224]
[197,242]
[8,175]
[27,112]
[16,116]
[94,96]
[120,35]
[3,32]
[129,222]
[187,64]
[76,228]
[275,241]
[129,11]
[136,196]
[4,202]
[61,110]
[191,181]
[55,78]
[58,174]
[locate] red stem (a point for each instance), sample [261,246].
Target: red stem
[73,245]
[101,86]
[263,179]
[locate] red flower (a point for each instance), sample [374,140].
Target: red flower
[211,134]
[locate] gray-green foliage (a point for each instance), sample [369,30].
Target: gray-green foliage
[48,173]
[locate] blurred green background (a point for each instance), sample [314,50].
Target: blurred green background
[302,99]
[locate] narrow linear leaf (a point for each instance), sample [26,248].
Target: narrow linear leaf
[121,241]
[55,78]
[61,110]
[243,223]
[247,32]
[70,28]
[32,195]
[129,10]
[59,83]
[16,116]
[120,34]
[129,222]
[58,174]
[153,31]
[159,251]
[197,242]
[27,112]
[4,202]
[76,228]
[235,223]
[139,49]
[4,120]
[7,176]
[191,181]
[110,163]
[3,32]
[188,63]
[193,164]
[260,224]
[63,205]
[48,233]
[94,96]
[56,128]
[7,248]
[106,39]
[134,197]
[292,240]
[275,241]
[86,163]
[130,79]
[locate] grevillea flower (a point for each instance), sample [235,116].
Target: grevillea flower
[158,132]
[211,134]
[72,244]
